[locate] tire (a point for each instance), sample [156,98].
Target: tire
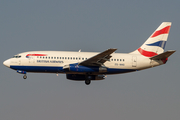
[87,82]
[25,77]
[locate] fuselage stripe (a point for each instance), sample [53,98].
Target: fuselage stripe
[36,55]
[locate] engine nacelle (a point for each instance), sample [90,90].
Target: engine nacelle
[100,77]
[21,72]
[83,77]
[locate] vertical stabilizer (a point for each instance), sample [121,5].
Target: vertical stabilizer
[155,44]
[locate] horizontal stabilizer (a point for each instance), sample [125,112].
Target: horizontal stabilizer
[163,55]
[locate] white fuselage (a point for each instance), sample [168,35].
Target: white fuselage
[54,61]
[92,65]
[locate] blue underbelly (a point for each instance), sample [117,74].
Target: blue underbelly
[53,69]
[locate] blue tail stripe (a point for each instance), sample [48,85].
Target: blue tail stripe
[161,44]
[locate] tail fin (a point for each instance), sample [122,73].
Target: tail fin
[155,44]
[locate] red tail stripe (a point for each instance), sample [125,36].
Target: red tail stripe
[36,55]
[162,31]
[147,53]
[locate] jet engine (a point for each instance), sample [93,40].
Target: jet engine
[84,77]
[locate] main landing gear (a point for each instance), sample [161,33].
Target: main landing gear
[88,80]
[25,76]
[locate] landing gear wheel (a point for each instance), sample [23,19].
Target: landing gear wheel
[87,82]
[25,76]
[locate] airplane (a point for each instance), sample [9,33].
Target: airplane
[88,66]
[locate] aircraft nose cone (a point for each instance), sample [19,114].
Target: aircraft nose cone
[7,63]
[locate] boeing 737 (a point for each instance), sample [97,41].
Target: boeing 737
[87,66]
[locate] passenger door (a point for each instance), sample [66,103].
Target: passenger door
[134,61]
[31,60]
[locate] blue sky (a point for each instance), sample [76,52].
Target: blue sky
[91,25]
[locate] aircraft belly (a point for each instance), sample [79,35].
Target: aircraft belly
[46,69]
[59,69]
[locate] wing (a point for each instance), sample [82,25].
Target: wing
[98,59]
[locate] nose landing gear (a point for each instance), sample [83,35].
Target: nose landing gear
[25,76]
[22,72]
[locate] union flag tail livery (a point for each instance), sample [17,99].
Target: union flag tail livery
[88,66]
[155,44]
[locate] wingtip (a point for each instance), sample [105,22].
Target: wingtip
[113,49]
[172,51]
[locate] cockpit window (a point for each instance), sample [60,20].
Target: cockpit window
[16,56]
